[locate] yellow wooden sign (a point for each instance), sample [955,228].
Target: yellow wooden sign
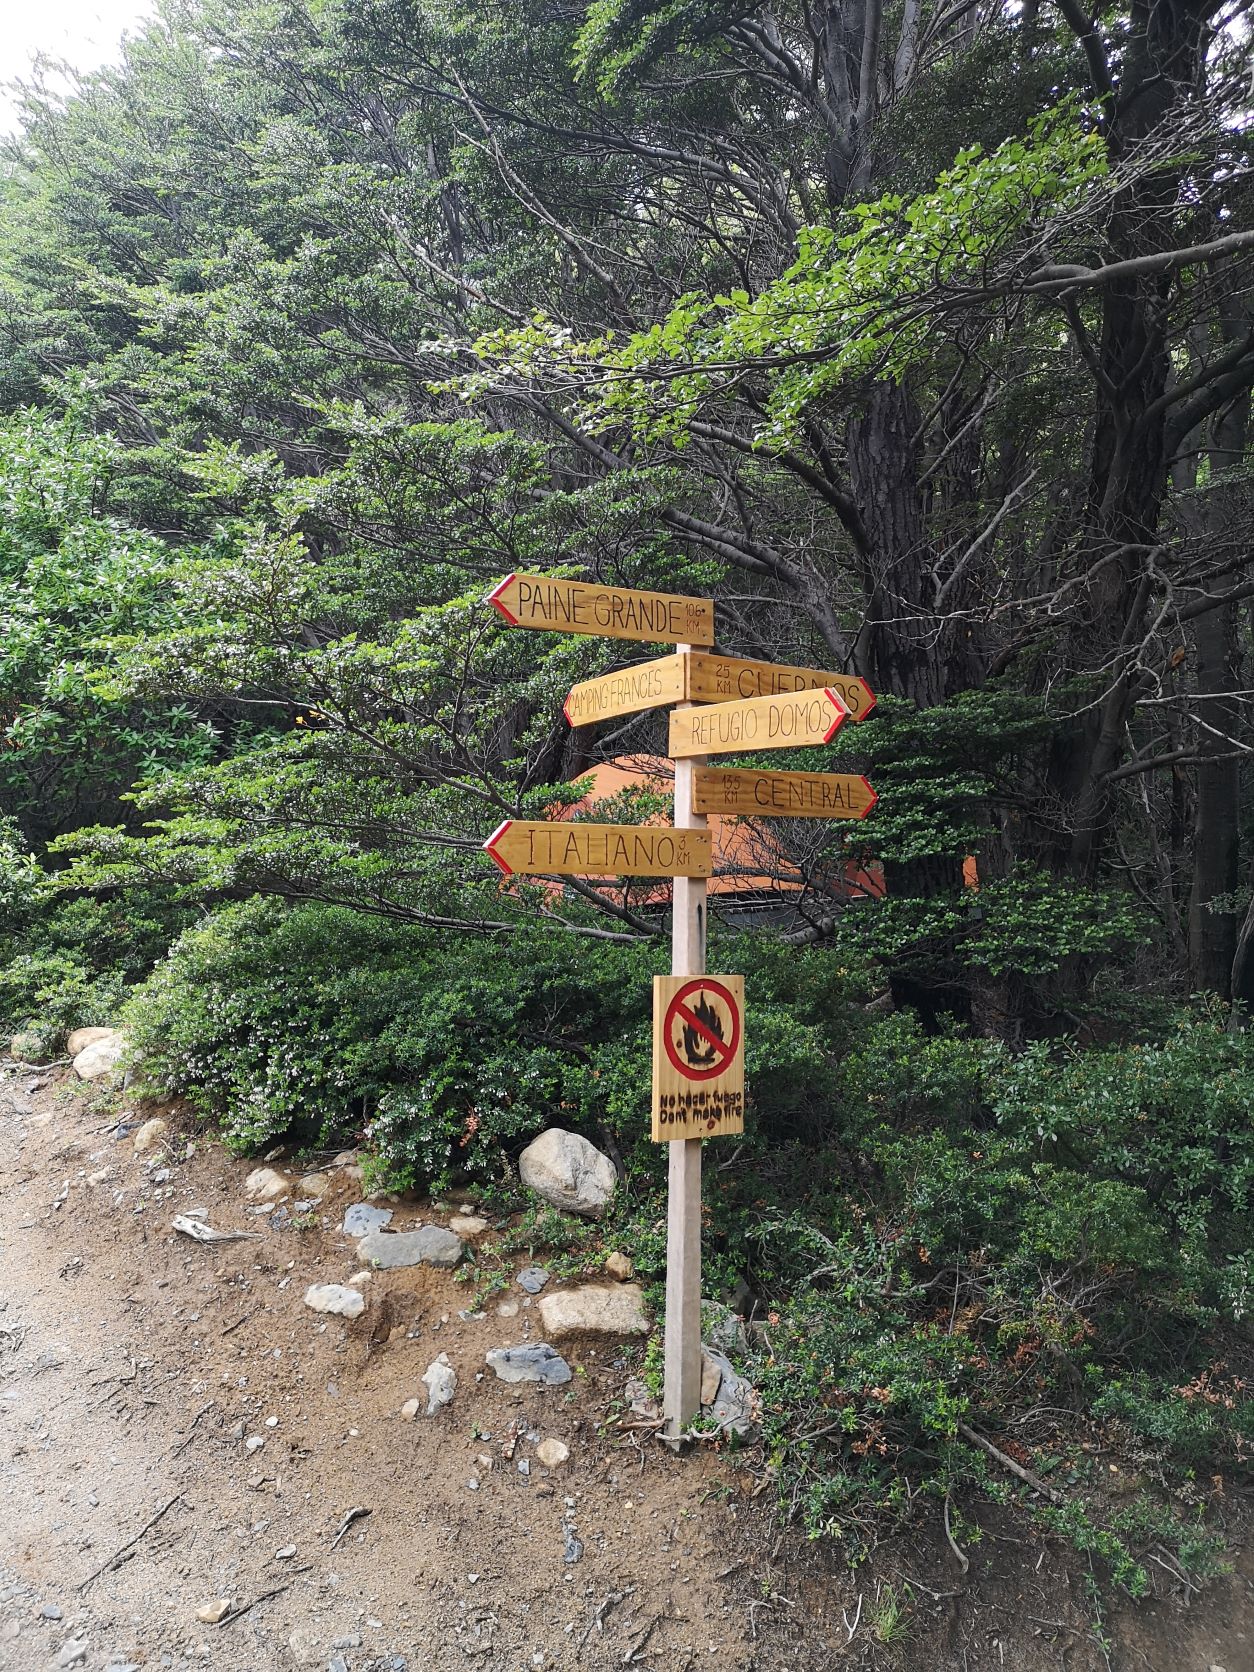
[726,678]
[647,685]
[785,722]
[698,1056]
[610,612]
[535,847]
[793,795]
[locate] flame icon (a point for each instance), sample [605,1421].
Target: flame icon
[699,1050]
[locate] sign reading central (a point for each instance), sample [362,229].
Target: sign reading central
[698,1056]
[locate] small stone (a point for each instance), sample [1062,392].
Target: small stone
[619,1266]
[272,1422]
[572,1544]
[472,1578]
[74,1652]
[507,1309]
[529,1362]
[211,1612]
[441,1382]
[314,1184]
[337,1663]
[361,1218]
[472,1485]
[594,1310]
[552,1453]
[711,1377]
[532,1279]
[285,1554]
[151,1132]
[359,1279]
[429,1245]
[410,1410]
[336,1298]
[467,1225]
[263,1184]
[305,1648]
[99,1176]
[50,1611]
[254,1442]
[735,1406]
[350,1640]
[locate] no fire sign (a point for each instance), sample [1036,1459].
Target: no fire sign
[698,1056]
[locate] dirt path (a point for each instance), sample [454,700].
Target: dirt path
[135,1367]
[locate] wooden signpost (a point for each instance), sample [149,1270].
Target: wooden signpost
[794,795]
[608,612]
[786,722]
[537,848]
[698,1019]
[695,676]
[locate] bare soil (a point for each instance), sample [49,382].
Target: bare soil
[135,1364]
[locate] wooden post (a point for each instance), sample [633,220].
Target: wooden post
[681,1393]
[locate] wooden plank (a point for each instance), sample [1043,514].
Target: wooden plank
[727,678]
[790,721]
[536,847]
[627,691]
[793,795]
[698,1056]
[608,612]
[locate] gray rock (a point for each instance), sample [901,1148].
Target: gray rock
[572,1544]
[336,1298]
[532,1279]
[350,1640]
[568,1172]
[304,1647]
[361,1218]
[337,1663]
[467,1225]
[441,1383]
[529,1362]
[429,1245]
[722,1328]
[594,1309]
[149,1133]
[735,1405]
[73,1653]
[50,1611]
[97,1061]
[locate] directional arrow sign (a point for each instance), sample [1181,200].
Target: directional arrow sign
[783,722]
[609,612]
[793,795]
[534,847]
[647,685]
[724,678]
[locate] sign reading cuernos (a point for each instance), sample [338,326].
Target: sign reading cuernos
[647,685]
[610,612]
[784,722]
[724,678]
[534,847]
[698,1056]
[794,795]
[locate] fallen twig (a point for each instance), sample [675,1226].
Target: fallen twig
[231,1328]
[597,1622]
[350,1515]
[963,1560]
[187,1438]
[238,1613]
[999,1456]
[119,1554]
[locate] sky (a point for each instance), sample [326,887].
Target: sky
[86,33]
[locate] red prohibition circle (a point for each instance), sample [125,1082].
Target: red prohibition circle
[727,1047]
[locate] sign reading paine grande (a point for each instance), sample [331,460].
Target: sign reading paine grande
[794,795]
[534,847]
[609,612]
[784,722]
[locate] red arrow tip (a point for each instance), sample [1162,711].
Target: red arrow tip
[494,598]
[842,712]
[566,712]
[866,784]
[490,849]
[871,694]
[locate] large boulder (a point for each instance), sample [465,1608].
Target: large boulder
[263,1184]
[81,1038]
[594,1309]
[101,1057]
[568,1172]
